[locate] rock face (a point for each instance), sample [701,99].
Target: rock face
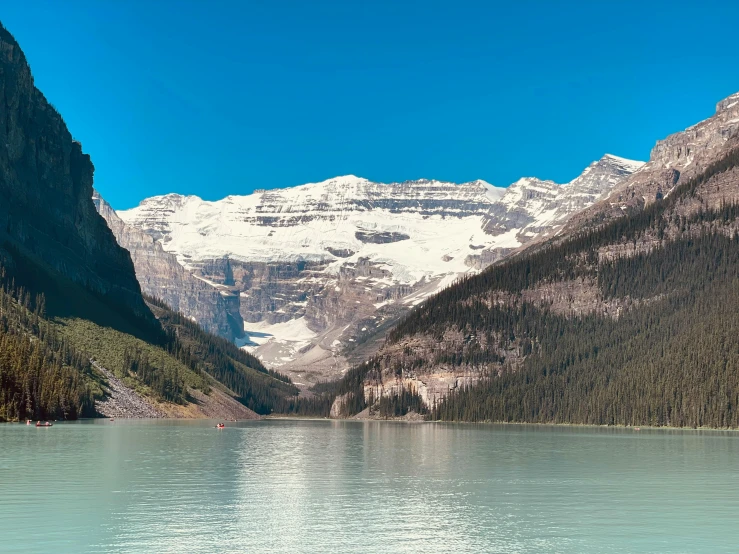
[160,275]
[323,269]
[46,209]
[533,209]
[671,162]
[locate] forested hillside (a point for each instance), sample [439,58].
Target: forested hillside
[42,376]
[69,294]
[51,328]
[633,322]
[258,388]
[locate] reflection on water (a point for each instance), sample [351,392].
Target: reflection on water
[334,486]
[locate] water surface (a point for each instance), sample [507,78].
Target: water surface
[334,486]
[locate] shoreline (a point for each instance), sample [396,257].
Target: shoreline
[279,417]
[635,428]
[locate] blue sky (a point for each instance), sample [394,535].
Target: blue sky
[218,98]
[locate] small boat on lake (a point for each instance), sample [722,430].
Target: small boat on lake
[220,426]
[44,424]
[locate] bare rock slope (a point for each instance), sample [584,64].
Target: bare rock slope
[161,276]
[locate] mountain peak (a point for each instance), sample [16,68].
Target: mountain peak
[524,182]
[171,199]
[625,162]
[342,180]
[608,164]
[728,103]
[479,183]
[492,192]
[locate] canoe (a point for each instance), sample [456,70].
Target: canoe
[47,424]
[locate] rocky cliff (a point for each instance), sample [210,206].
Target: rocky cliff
[324,269]
[673,161]
[46,210]
[161,276]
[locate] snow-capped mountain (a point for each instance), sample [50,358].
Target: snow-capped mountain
[322,267]
[343,218]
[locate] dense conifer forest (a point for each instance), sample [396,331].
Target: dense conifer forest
[42,376]
[671,362]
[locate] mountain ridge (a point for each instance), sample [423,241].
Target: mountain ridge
[674,159]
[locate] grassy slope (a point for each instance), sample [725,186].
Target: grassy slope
[107,346]
[258,388]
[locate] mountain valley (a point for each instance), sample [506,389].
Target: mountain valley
[602,301]
[323,270]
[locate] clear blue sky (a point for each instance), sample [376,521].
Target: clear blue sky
[218,98]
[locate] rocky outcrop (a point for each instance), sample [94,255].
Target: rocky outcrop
[337,408]
[46,209]
[161,276]
[431,387]
[382,237]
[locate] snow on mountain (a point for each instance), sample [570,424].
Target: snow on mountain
[343,258]
[419,228]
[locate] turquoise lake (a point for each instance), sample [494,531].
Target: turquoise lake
[340,486]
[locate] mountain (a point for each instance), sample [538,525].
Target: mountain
[627,317]
[77,337]
[533,209]
[161,276]
[324,269]
[46,215]
[672,161]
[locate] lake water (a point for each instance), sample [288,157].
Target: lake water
[334,486]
